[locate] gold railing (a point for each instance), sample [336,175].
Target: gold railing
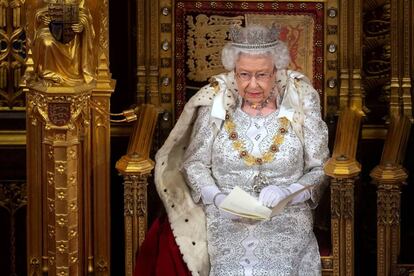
[135,167]
[389,176]
[343,169]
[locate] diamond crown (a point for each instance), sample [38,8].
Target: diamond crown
[254,36]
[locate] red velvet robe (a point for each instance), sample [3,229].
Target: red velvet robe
[159,254]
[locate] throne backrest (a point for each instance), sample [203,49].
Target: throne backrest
[200,34]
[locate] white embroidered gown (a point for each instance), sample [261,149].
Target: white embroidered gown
[286,244]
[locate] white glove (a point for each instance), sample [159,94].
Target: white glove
[271,195]
[208,193]
[301,197]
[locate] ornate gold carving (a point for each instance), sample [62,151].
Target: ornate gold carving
[377,57]
[101,117]
[135,212]
[52,231]
[388,203]
[135,168]
[388,228]
[104,30]
[135,195]
[401,51]
[350,59]
[408,44]
[61,247]
[389,176]
[38,104]
[343,168]
[327,262]
[102,265]
[34,266]
[61,167]
[206,37]
[342,225]
[100,129]
[60,128]
[13,54]
[389,179]
[61,144]
[64,32]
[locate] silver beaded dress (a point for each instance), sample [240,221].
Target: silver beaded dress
[286,244]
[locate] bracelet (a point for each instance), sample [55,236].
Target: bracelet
[214,198]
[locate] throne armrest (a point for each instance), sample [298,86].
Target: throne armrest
[135,167]
[389,176]
[343,168]
[343,162]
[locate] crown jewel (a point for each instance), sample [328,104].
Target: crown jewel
[254,36]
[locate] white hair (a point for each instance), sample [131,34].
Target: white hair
[279,53]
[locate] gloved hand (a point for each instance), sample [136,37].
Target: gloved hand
[212,195]
[208,193]
[302,196]
[271,195]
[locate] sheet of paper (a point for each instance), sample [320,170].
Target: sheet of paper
[244,205]
[241,203]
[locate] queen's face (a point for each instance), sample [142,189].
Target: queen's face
[255,77]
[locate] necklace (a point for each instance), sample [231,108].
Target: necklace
[248,158]
[258,106]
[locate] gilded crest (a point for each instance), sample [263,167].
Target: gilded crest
[59,113]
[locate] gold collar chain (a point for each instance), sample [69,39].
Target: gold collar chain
[239,146]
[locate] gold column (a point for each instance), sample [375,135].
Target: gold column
[55,126]
[408,45]
[389,177]
[344,65]
[401,50]
[148,44]
[135,171]
[99,250]
[356,33]
[135,167]
[68,87]
[342,223]
[343,169]
[350,59]
[100,167]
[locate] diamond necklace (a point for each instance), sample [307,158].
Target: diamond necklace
[258,106]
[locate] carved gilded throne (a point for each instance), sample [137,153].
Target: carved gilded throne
[187,53]
[326,43]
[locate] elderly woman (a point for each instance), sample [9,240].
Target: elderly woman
[258,127]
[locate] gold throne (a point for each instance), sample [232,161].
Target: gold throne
[325,39]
